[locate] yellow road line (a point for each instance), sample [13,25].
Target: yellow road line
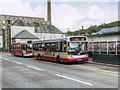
[111,74]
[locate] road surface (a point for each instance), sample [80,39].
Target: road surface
[18,72]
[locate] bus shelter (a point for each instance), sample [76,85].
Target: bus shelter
[105,45]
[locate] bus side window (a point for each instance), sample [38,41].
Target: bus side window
[59,47]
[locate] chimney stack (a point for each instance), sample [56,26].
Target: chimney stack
[49,11]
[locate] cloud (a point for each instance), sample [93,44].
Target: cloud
[41,11]
[17,7]
[95,13]
[85,0]
[99,15]
[65,15]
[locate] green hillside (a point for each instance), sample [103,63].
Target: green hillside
[94,28]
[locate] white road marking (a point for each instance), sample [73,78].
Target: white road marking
[12,61]
[74,79]
[34,68]
[6,59]
[21,63]
[17,62]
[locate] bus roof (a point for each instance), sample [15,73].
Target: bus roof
[56,39]
[51,40]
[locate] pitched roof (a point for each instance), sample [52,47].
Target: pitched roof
[109,30]
[39,28]
[45,28]
[24,35]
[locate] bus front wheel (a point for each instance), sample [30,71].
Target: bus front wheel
[22,55]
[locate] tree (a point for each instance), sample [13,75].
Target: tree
[94,28]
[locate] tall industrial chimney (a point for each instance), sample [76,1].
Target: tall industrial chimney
[49,11]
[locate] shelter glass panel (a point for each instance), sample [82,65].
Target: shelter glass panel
[118,47]
[103,48]
[112,47]
[96,47]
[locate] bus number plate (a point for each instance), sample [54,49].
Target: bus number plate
[79,59]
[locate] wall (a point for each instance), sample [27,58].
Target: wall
[23,40]
[16,29]
[103,58]
[48,35]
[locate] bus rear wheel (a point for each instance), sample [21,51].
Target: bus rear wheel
[38,57]
[14,53]
[58,59]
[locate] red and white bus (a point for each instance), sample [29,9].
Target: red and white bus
[22,49]
[68,49]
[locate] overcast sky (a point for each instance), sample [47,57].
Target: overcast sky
[66,14]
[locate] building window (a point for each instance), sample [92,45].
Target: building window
[3,21]
[3,27]
[8,21]
[12,21]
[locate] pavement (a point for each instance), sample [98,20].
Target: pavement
[100,63]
